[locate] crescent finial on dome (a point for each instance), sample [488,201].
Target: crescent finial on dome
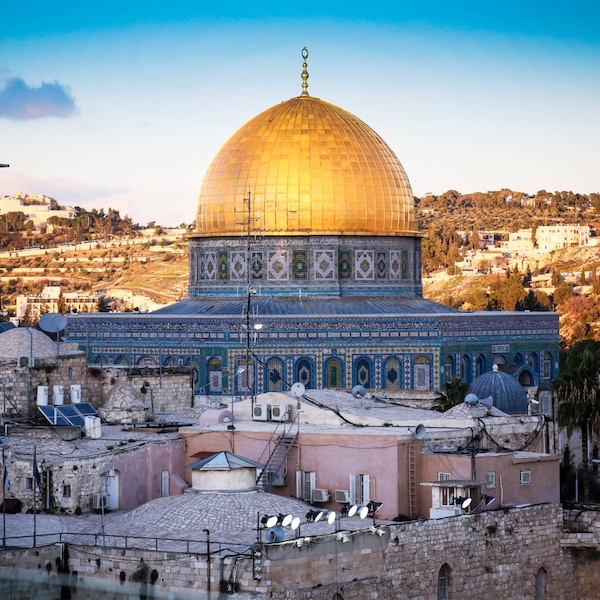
[304,72]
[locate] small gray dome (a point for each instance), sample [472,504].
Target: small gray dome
[508,394]
[26,341]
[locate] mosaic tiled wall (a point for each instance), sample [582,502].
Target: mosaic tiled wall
[394,263]
[411,352]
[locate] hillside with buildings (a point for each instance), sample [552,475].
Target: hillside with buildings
[501,250]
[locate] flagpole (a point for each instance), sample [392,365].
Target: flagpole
[34,495]
[3,501]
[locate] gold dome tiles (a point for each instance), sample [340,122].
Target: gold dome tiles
[312,168]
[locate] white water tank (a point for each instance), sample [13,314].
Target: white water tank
[93,427]
[42,395]
[75,393]
[58,394]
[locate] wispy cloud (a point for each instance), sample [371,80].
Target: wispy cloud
[20,101]
[70,192]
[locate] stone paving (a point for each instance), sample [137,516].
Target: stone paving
[177,523]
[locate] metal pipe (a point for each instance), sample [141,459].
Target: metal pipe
[207,561]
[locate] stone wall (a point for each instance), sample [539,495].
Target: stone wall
[162,393]
[496,553]
[21,383]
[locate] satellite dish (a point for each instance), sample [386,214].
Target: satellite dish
[471,399]
[275,534]
[298,389]
[487,402]
[358,391]
[418,431]
[466,503]
[331,517]
[295,523]
[53,322]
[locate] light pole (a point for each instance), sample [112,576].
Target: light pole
[3,406]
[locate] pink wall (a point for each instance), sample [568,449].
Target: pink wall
[140,472]
[332,456]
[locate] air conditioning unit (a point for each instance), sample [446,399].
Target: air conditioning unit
[99,500]
[280,412]
[276,478]
[342,496]
[319,495]
[25,361]
[261,412]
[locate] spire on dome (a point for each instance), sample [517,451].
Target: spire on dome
[304,72]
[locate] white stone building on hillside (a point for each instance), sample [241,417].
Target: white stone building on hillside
[36,207]
[48,302]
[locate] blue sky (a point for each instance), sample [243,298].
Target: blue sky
[124,104]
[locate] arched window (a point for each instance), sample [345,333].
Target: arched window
[481,365]
[392,374]
[518,359]
[499,359]
[532,361]
[275,375]
[547,366]
[215,376]
[334,374]
[465,368]
[540,584]
[443,586]
[362,373]
[449,368]
[244,379]
[525,377]
[421,374]
[304,373]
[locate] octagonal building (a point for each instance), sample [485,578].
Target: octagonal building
[305,266]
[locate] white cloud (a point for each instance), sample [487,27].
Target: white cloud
[20,102]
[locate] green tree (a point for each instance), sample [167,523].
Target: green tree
[454,393]
[578,392]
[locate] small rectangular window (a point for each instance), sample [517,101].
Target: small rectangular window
[447,495]
[66,490]
[443,476]
[28,483]
[525,477]
[490,479]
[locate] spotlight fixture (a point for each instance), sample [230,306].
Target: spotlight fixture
[373,506]
[357,509]
[487,499]
[284,520]
[312,516]
[342,537]
[331,517]
[269,521]
[464,503]
[375,530]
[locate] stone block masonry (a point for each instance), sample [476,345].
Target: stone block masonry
[513,554]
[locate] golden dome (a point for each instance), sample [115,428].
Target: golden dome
[311,168]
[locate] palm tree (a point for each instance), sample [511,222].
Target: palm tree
[578,391]
[454,393]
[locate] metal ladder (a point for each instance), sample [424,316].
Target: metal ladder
[276,452]
[412,480]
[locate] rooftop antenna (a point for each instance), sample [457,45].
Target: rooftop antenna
[304,72]
[247,229]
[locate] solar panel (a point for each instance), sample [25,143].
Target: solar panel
[70,412]
[86,409]
[53,415]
